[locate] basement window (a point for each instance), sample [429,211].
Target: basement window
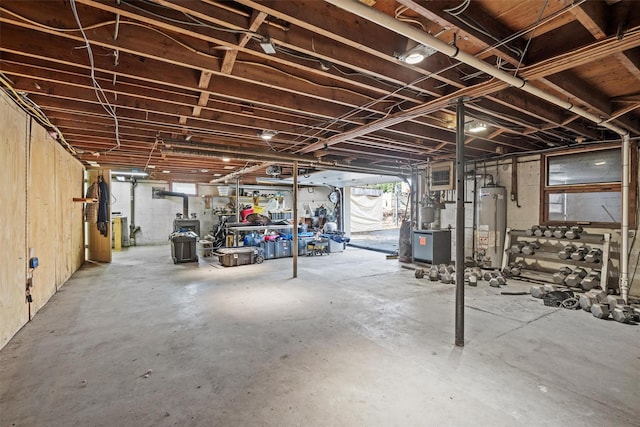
[184,187]
[584,187]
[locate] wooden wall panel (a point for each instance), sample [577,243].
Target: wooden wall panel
[69,184]
[38,180]
[13,134]
[43,228]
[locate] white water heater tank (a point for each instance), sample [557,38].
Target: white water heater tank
[491,214]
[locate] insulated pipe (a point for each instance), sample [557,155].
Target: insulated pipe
[413,33]
[185,200]
[460,181]
[624,253]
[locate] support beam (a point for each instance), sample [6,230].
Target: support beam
[460,223]
[295,219]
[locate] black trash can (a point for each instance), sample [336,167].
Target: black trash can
[183,248]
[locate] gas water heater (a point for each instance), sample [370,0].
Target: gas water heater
[491,216]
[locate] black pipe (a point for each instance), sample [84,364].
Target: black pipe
[185,200]
[459,341]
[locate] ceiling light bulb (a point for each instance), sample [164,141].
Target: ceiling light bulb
[267,134]
[226,159]
[477,127]
[414,58]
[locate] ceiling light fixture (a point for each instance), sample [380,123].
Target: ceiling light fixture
[226,159]
[416,54]
[477,127]
[188,137]
[267,134]
[115,173]
[600,163]
[267,46]
[166,171]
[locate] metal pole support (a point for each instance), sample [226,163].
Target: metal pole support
[460,223]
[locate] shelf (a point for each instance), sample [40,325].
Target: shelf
[553,257]
[548,253]
[585,238]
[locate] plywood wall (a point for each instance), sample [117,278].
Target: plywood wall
[13,157]
[38,180]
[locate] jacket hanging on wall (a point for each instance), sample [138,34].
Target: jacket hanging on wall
[91,209]
[103,207]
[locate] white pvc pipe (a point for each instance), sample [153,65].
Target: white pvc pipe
[624,250]
[413,33]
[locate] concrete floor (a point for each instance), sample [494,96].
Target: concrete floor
[356,340]
[385,241]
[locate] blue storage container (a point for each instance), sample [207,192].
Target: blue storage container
[269,249]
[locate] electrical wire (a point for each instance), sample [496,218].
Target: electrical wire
[455,11]
[100,94]
[526,48]
[33,110]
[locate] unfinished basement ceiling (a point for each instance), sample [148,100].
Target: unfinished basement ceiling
[180,85]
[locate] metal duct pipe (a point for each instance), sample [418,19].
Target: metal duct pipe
[185,200]
[413,33]
[624,252]
[283,160]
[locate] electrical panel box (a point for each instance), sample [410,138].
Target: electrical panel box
[442,176]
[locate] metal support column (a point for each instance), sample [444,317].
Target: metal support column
[295,219]
[237,203]
[460,223]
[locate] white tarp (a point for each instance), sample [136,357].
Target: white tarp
[366,213]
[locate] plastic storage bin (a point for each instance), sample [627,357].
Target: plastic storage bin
[284,248]
[269,249]
[244,255]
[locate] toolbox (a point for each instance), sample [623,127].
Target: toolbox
[230,257]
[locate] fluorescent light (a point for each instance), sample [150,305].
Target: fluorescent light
[600,163]
[228,167]
[204,170]
[267,46]
[151,167]
[166,171]
[120,178]
[113,173]
[217,174]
